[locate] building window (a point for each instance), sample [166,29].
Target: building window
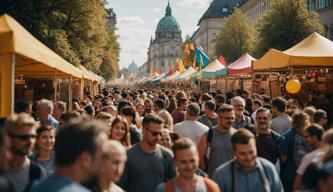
[321,4]
[224,10]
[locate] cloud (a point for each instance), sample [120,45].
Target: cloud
[198,4]
[130,20]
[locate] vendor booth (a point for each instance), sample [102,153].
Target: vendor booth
[23,57]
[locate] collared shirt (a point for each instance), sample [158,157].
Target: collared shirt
[244,122]
[248,180]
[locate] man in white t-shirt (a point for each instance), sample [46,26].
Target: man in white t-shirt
[190,127]
[313,135]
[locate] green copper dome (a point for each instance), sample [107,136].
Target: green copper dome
[168,22]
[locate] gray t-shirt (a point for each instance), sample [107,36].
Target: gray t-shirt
[209,122]
[20,177]
[281,124]
[201,186]
[144,171]
[221,149]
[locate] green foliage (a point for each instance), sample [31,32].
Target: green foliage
[286,24]
[77,30]
[236,37]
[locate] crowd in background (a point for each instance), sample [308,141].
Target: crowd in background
[144,140]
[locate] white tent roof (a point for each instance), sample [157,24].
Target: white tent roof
[172,76]
[186,73]
[214,66]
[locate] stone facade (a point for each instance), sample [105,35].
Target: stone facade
[164,50]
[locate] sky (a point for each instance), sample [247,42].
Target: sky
[137,21]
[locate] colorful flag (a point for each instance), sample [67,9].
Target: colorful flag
[201,59]
[181,67]
[222,61]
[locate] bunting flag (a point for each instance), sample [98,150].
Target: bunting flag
[201,59]
[221,59]
[181,67]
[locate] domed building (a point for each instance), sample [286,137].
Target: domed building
[133,68]
[164,50]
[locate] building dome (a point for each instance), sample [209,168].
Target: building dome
[168,22]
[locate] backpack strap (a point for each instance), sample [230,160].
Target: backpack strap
[211,185]
[169,186]
[264,177]
[209,146]
[233,177]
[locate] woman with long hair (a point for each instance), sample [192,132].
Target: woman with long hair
[120,131]
[44,154]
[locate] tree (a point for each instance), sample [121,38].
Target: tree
[286,24]
[77,30]
[236,37]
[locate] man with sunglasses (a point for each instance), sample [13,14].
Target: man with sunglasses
[22,172]
[148,164]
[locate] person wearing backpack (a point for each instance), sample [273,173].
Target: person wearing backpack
[186,159]
[215,146]
[22,172]
[247,172]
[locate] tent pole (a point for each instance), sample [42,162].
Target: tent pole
[7,67]
[70,94]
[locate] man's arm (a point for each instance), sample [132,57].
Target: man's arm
[202,148]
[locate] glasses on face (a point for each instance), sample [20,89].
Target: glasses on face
[24,137]
[155,133]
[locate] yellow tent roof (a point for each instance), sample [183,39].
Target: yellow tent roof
[273,59]
[313,51]
[33,58]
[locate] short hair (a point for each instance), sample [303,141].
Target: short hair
[129,111]
[328,137]
[122,104]
[112,146]
[21,106]
[210,105]
[225,108]
[257,102]
[151,118]
[89,109]
[238,98]
[46,105]
[61,105]
[103,115]
[220,98]
[310,110]
[264,110]
[76,137]
[69,115]
[300,120]
[315,130]
[193,109]
[206,97]
[18,120]
[160,103]
[280,103]
[43,128]
[182,144]
[242,136]
[318,115]
[181,101]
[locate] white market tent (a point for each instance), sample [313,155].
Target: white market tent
[188,73]
[171,77]
[214,69]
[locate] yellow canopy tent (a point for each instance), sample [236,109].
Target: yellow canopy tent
[21,54]
[314,51]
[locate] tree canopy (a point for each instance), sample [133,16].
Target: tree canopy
[77,30]
[286,24]
[236,37]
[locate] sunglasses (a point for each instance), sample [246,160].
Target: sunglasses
[155,133]
[23,137]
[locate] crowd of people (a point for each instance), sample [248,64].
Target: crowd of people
[163,140]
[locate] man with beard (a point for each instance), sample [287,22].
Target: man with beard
[241,120]
[148,106]
[78,155]
[148,164]
[215,146]
[247,172]
[186,158]
[269,143]
[21,130]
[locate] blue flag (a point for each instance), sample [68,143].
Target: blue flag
[201,59]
